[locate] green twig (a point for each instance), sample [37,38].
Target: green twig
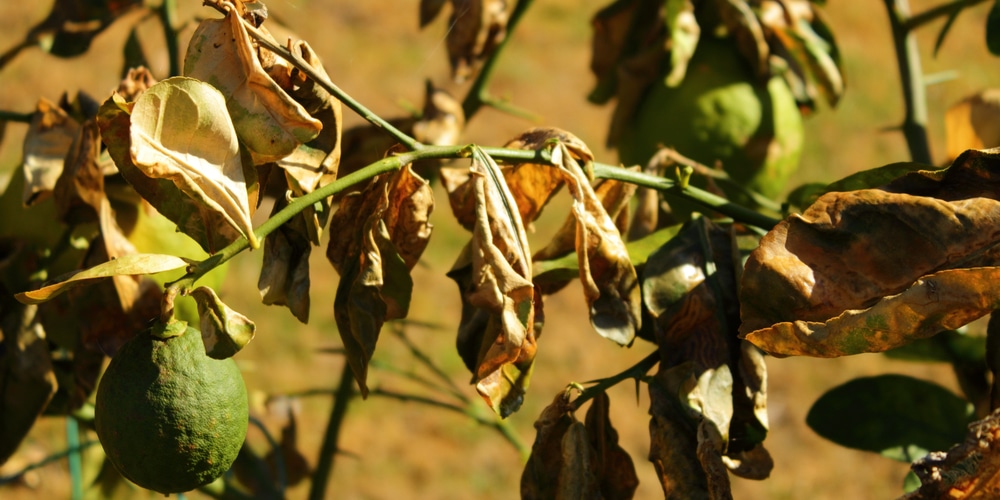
[635,371]
[449,384]
[932,14]
[328,451]
[168,16]
[914,125]
[479,93]
[14,116]
[10,478]
[500,426]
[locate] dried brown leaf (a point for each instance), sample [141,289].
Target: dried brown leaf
[613,465]
[50,135]
[858,259]
[970,470]
[284,273]
[224,331]
[476,28]
[541,477]
[136,81]
[79,191]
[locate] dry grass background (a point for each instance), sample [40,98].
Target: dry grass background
[375,52]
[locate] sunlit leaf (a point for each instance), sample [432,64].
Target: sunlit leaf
[683,36]
[973,123]
[49,137]
[970,470]
[27,382]
[135,264]
[497,331]
[135,82]
[266,118]
[442,121]
[224,331]
[180,132]
[897,416]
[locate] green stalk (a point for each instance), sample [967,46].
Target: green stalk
[479,93]
[911,78]
[14,116]
[328,451]
[635,371]
[932,14]
[168,16]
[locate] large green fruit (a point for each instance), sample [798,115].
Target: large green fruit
[170,418]
[721,113]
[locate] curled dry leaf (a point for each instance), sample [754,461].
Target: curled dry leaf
[389,228]
[497,333]
[136,81]
[49,137]
[616,476]
[532,184]
[79,191]
[868,270]
[476,28]
[266,118]
[970,470]
[224,331]
[284,274]
[180,132]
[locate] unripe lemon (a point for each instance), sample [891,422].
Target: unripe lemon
[170,418]
[721,112]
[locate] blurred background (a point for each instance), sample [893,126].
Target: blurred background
[375,51]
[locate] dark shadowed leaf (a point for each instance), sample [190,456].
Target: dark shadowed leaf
[993,29]
[79,192]
[615,471]
[897,416]
[27,382]
[72,25]
[429,10]
[476,28]
[970,470]
[284,274]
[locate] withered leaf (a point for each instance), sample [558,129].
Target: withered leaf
[136,81]
[49,137]
[429,10]
[284,273]
[673,443]
[224,331]
[613,465]
[561,464]
[532,184]
[79,191]
[610,283]
[476,28]
[499,308]
[837,278]
[180,132]
[208,228]
[970,470]
[71,26]
[383,230]
[135,264]
[266,118]
[442,120]
[27,381]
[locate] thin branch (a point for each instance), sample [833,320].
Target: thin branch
[14,116]
[669,156]
[168,17]
[328,451]
[932,14]
[10,478]
[635,372]
[914,125]
[479,94]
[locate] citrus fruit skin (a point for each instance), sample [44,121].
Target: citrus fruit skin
[170,418]
[721,113]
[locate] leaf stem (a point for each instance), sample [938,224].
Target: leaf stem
[635,371]
[328,451]
[932,14]
[168,16]
[914,125]
[479,93]
[14,116]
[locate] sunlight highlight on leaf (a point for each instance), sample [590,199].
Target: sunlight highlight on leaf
[135,264]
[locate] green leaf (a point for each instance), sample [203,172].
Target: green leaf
[951,346]
[224,331]
[130,265]
[993,29]
[682,38]
[897,416]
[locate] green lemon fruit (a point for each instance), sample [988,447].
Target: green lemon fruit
[721,113]
[170,418]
